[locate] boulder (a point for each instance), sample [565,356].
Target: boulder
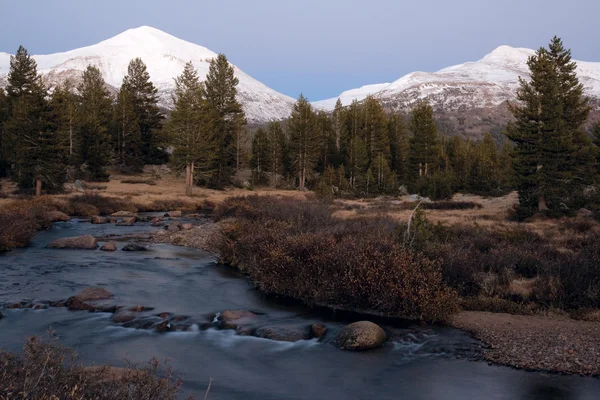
[127,222]
[231,319]
[86,242]
[173,214]
[139,309]
[187,227]
[134,247]
[318,331]
[164,315]
[75,304]
[99,220]
[57,216]
[363,335]
[173,227]
[283,334]
[123,214]
[142,219]
[110,246]
[93,294]
[122,316]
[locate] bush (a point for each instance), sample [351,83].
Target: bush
[47,370]
[297,249]
[89,204]
[139,181]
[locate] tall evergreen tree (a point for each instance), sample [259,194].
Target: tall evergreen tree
[424,146]
[189,129]
[338,126]
[4,113]
[260,161]
[552,158]
[31,141]
[399,146]
[374,132]
[128,141]
[277,148]
[94,119]
[326,141]
[228,118]
[304,138]
[64,105]
[144,96]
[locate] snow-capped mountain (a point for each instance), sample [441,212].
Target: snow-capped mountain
[483,84]
[165,57]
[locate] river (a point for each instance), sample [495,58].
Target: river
[423,362]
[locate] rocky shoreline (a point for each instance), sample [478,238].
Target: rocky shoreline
[537,343]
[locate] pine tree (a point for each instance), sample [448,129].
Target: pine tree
[189,130]
[399,146]
[304,138]
[64,105]
[94,119]
[4,113]
[337,121]
[374,130]
[277,148]
[145,103]
[260,161]
[229,120]
[128,141]
[424,146]
[552,159]
[357,160]
[31,141]
[326,141]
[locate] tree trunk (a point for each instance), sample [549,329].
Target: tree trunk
[542,206]
[188,189]
[38,187]
[192,177]
[71,137]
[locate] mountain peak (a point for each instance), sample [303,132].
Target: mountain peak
[506,53]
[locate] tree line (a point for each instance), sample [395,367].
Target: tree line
[361,149]
[83,130]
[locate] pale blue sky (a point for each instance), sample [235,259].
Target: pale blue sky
[316,47]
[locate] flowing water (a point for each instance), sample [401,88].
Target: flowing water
[420,362]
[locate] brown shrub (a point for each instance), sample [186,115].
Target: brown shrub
[19,222]
[297,249]
[160,205]
[47,370]
[89,204]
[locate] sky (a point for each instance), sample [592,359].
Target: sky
[315,47]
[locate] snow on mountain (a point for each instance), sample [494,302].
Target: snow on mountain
[350,95]
[486,83]
[165,57]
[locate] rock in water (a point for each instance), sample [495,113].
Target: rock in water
[86,242]
[57,216]
[134,247]
[110,246]
[122,316]
[173,227]
[94,293]
[75,304]
[231,319]
[317,331]
[173,214]
[363,335]
[127,222]
[187,227]
[99,220]
[283,334]
[123,214]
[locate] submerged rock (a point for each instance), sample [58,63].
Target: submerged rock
[97,220]
[75,304]
[363,335]
[164,326]
[110,246]
[57,216]
[283,334]
[86,242]
[134,247]
[122,317]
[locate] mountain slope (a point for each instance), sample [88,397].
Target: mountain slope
[484,84]
[165,57]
